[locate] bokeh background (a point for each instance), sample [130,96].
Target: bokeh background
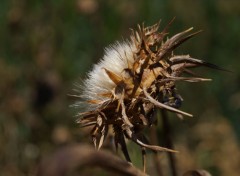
[47,46]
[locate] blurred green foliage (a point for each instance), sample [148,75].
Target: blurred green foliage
[46,46]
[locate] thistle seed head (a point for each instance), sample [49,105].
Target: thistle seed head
[133,78]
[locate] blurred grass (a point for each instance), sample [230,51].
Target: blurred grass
[46,46]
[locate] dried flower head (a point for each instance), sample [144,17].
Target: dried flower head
[134,78]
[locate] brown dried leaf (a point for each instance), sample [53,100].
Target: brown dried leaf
[81,156]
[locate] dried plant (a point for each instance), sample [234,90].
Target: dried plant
[77,157]
[134,78]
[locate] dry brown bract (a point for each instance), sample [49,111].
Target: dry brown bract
[146,83]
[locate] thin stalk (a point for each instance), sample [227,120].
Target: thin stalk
[157,159]
[168,140]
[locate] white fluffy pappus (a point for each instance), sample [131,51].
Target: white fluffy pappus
[116,58]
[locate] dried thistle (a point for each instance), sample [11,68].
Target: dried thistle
[134,78]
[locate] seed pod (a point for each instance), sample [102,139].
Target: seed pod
[133,78]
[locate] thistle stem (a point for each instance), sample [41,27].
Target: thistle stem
[169,144]
[157,159]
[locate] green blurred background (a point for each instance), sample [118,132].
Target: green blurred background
[46,46]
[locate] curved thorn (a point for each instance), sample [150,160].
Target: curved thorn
[161,105]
